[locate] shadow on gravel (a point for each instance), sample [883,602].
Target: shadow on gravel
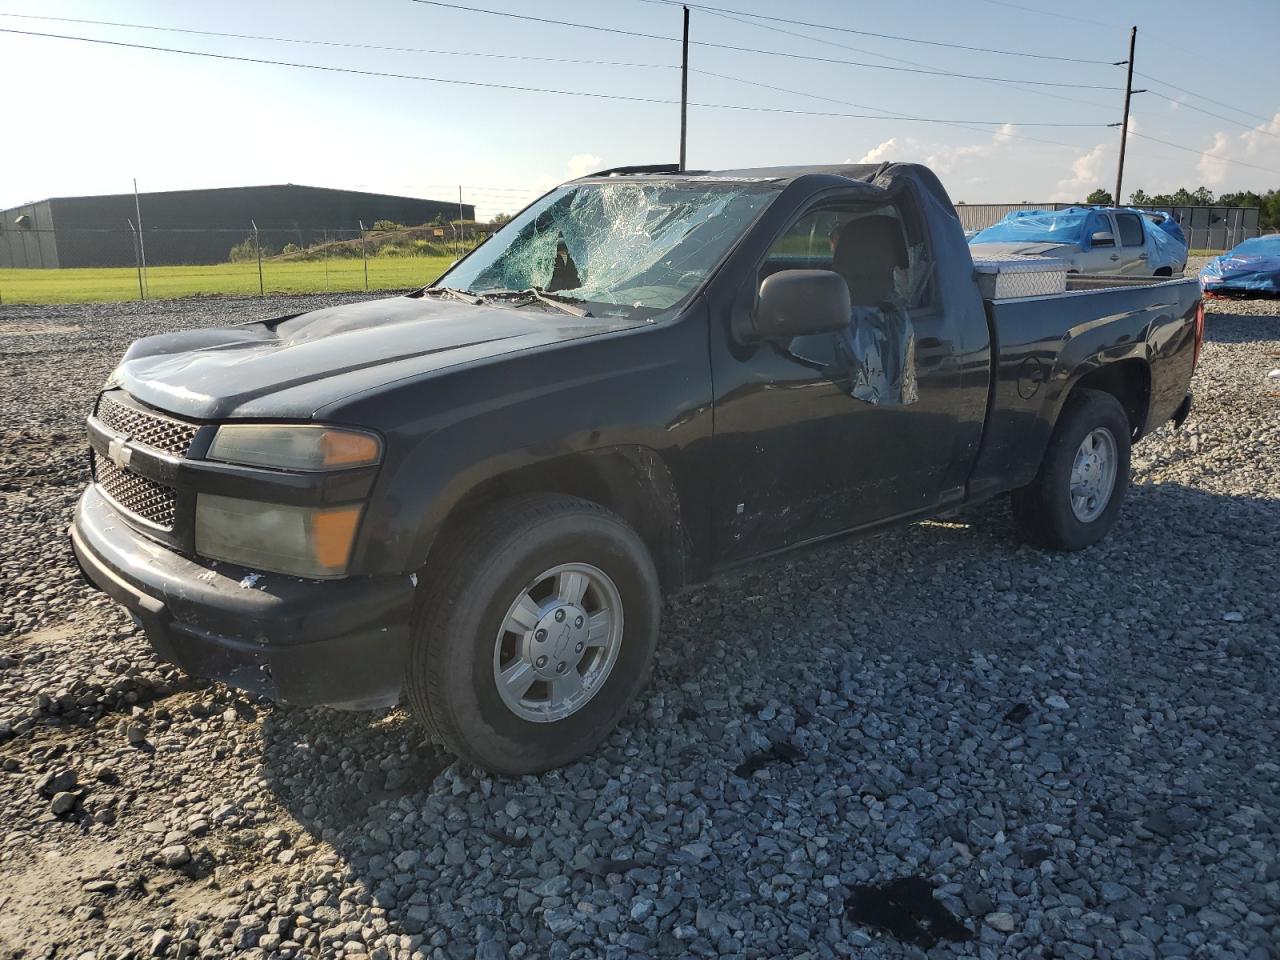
[335,771]
[1002,714]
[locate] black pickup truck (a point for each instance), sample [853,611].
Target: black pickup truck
[475,495]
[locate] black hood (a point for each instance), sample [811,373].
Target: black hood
[306,362]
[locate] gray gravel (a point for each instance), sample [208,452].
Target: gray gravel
[1078,753]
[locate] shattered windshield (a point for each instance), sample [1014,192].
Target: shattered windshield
[615,245]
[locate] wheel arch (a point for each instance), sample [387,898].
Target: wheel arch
[631,480]
[1128,380]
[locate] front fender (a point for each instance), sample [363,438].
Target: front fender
[648,388]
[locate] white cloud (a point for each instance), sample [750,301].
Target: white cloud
[1089,171]
[580,164]
[885,151]
[945,158]
[1259,146]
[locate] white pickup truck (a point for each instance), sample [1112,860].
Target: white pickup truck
[1090,240]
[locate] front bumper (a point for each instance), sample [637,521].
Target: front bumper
[339,643]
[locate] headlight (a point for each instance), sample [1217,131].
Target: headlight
[285,446]
[301,541]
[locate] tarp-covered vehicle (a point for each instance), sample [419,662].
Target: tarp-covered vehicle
[1250,267]
[1106,240]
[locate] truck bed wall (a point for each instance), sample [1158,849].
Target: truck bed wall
[1045,345]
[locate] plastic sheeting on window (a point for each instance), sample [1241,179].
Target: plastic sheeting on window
[1250,267]
[880,346]
[912,284]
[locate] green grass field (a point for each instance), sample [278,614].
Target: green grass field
[89,285]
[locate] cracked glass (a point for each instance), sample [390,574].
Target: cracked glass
[618,247]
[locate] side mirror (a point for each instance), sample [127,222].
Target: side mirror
[1102,239]
[793,303]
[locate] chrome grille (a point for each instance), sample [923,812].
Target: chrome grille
[135,494]
[143,426]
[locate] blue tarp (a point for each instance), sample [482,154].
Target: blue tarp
[1169,225]
[1074,225]
[1165,244]
[1252,266]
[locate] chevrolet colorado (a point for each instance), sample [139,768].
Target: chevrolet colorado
[474,496]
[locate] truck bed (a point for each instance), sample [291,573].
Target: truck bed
[1044,345]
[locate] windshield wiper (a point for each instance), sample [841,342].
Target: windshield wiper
[559,301]
[463,295]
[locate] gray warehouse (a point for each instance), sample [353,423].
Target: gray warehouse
[197,226]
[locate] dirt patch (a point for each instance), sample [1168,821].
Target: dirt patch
[54,634]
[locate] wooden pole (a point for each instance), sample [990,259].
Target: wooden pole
[1124,125]
[684,90]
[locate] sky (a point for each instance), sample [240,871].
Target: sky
[85,118]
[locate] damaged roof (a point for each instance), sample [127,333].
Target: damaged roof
[883,175]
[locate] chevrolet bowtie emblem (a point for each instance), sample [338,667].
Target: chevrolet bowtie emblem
[119,452]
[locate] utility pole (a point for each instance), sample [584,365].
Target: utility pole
[142,294]
[461,236]
[1124,125]
[364,254]
[257,248]
[142,246]
[684,89]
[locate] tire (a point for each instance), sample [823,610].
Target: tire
[473,590]
[1044,511]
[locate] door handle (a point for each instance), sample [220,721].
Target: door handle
[1142,256]
[1115,256]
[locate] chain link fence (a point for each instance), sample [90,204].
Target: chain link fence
[81,264]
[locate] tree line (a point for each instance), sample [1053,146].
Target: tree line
[1267,203]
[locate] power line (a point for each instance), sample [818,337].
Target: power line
[501,86]
[757,50]
[885,56]
[1210,156]
[1210,113]
[880,36]
[1052,13]
[1096,23]
[332,69]
[1201,96]
[337,43]
[960,124]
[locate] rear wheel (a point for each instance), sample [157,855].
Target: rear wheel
[1075,497]
[534,631]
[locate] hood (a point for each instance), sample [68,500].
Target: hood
[292,366]
[1025,249]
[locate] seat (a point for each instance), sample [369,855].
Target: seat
[868,251]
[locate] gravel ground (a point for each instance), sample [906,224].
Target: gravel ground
[932,735]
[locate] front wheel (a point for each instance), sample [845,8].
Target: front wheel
[534,631]
[1076,495]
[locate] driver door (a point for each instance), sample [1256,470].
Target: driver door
[801,451]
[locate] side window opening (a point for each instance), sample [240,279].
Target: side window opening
[1130,226]
[879,252]
[888,275]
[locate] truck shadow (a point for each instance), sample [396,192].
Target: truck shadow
[1226,321]
[733,717]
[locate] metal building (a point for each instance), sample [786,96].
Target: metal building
[196,226]
[1206,228]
